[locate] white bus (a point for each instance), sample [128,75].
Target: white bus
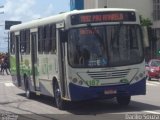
[80,55]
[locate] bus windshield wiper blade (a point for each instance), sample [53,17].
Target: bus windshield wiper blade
[95,33]
[116,34]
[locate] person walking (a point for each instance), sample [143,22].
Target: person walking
[2,65]
[5,65]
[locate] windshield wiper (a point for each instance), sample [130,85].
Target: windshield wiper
[116,38]
[116,34]
[95,33]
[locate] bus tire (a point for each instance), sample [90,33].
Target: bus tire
[28,92]
[124,100]
[149,78]
[60,104]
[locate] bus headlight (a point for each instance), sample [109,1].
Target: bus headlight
[138,77]
[74,80]
[141,75]
[80,82]
[77,81]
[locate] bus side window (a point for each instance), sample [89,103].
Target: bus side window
[52,45]
[22,42]
[25,41]
[46,38]
[40,39]
[27,37]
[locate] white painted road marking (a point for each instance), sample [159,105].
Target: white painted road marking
[8,84]
[153,83]
[5,82]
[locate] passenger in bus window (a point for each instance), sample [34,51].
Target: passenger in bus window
[77,54]
[85,56]
[102,55]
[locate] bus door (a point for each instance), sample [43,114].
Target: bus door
[34,59]
[62,51]
[18,59]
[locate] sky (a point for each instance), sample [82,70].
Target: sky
[27,10]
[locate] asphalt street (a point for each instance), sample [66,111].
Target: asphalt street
[13,104]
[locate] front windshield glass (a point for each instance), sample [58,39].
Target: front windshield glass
[101,46]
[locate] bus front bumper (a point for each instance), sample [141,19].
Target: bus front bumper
[79,93]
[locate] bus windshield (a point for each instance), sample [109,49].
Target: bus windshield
[102,46]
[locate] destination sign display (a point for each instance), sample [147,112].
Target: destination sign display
[102,17]
[88,31]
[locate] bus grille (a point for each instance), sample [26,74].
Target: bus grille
[109,74]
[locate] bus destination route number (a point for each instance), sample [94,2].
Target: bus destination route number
[102,17]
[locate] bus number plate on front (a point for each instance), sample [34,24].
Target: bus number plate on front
[108,92]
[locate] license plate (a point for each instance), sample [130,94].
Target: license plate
[108,92]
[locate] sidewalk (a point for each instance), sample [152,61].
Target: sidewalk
[4,78]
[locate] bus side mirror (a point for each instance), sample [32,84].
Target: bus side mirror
[63,35]
[145,37]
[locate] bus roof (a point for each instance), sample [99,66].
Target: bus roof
[60,17]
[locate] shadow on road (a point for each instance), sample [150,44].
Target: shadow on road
[98,106]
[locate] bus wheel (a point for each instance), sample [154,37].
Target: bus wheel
[123,100]
[57,97]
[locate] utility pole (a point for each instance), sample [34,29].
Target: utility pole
[8,42]
[2,12]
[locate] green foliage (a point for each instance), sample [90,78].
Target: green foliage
[145,21]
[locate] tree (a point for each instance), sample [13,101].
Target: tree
[149,51]
[145,21]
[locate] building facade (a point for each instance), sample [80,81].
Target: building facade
[144,7]
[156,22]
